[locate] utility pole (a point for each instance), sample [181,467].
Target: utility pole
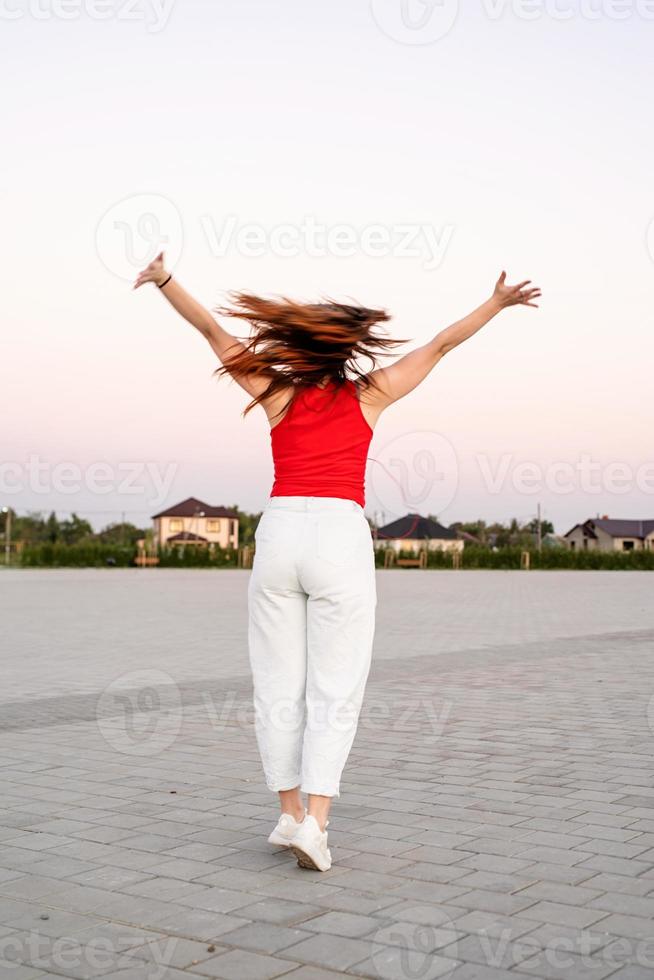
[539,532]
[7,512]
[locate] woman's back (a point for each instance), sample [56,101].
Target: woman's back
[321,445]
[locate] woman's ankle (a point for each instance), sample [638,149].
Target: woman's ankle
[320,818]
[290,802]
[296,812]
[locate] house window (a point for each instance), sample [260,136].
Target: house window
[213,525]
[627,546]
[232,528]
[176,524]
[573,545]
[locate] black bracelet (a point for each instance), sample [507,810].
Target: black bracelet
[162,284]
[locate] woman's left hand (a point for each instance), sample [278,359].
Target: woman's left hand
[515,295]
[155,272]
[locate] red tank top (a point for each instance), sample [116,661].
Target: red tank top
[321,444]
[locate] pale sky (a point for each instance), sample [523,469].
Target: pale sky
[227,132]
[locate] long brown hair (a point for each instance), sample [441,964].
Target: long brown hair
[301,344]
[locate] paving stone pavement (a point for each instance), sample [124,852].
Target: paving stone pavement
[496,818]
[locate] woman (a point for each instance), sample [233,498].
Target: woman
[312,590]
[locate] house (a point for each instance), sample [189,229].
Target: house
[551,540]
[413,533]
[192,522]
[607,534]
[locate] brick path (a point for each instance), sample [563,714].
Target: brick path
[497,817]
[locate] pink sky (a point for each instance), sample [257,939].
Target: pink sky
[508,142]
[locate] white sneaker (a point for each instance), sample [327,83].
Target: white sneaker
[309,844]
[286,827]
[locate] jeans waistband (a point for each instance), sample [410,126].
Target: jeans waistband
[313,503]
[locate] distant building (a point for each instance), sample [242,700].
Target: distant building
[465,536]
[551,540]
[607,534]
[193,522]
[413,533]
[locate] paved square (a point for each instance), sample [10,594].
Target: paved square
[497,816]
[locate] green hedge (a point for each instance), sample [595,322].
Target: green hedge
[476,556]
[91,555]
[97,555]
[193,557]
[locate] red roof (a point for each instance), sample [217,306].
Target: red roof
[192,507]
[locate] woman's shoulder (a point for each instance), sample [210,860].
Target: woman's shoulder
[278,405]
[364,388]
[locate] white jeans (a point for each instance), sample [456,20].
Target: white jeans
[312,598]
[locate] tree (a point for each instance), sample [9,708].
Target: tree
[247,524]
[546,527]
[477,529]
[74,530]
[122,533]
[52,531]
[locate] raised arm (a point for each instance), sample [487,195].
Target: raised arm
[222,343]
[404,375]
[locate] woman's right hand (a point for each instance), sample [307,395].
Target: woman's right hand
[155,272]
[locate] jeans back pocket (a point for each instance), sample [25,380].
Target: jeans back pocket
[269,537]
[341,537]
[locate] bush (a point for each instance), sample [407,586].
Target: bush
[509,557]
[193,557]
[599,560]
[95,554]
[92,554]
